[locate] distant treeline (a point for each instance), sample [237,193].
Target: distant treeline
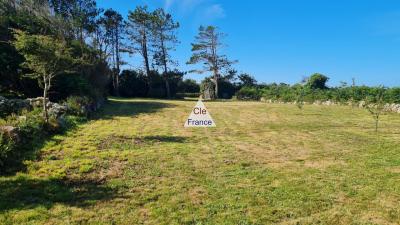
[314,89]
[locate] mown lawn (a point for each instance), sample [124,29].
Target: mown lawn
[262,164]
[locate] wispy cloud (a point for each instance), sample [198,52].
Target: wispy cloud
[215,11]
[182,5]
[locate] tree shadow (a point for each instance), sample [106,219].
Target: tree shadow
[27,193]
[165,138]
[120,107]
[114,107]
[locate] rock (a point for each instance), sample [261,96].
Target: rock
[9,106]
[36,102]
[56,109]
[10,132]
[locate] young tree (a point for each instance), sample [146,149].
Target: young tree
[164,40]
[206,50]
[139,30]
[113,23]
[46,57]
[376,105]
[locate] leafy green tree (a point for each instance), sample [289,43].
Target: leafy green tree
[206,50]
[317,81]
[46,57]
[164,40]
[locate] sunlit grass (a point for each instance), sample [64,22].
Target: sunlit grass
[263,164]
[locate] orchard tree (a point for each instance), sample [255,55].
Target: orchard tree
[206,50]
[376,105]
[164,40]
[46,57]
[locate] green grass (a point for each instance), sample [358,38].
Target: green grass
[262,164]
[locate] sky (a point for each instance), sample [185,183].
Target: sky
[287,40]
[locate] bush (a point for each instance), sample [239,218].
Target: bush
[248,93]
[287,93]
[188,86]
[187,95]
[6,146]
[78,105]
[133,84]
[29,129]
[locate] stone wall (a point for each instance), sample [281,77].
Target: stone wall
[395,108]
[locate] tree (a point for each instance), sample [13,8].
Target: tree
[376,105]
[317,81]
[139,31]
[247,80]
[164,40]
[206,50]
[46,57]
[84,13]
[113,23]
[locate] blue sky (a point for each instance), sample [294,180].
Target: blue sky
[286,40]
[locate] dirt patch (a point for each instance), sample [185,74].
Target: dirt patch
[274,157]
[323,163]
[197,195]
[395,169]
[113,141]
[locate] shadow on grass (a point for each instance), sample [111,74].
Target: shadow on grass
[127,142]
[164,138]
[116,107]
[27,193]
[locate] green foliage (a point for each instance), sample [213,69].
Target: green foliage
[188,86]
[133,84]
[6,146]
[286,93]
[77,105]
[206,51]
[317,81]
[136,84]
[226,89]
[248,93]
[30,131]
[247,80]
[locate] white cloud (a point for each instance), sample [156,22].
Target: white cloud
[215,11]
[184,6]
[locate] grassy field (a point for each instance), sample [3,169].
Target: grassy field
[262,164]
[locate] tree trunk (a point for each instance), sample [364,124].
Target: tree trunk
[167,87]
[45,113]
[117,61]
[166,74]
[216,84]
[146,60]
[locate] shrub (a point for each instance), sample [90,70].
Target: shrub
[187,95]
[248,93]
[77,105]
